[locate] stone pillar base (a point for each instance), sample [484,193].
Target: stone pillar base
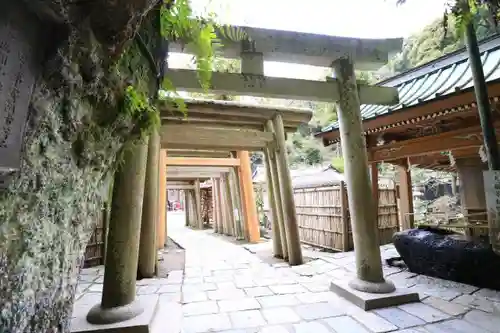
[384,287]
[132,318]
[99,316]
[375,296]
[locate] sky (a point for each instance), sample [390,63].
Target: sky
[348,18]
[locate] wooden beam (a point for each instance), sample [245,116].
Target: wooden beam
[198,153]
[202,169]
[180,187]
[192,175]
[231,122]
[179,182]
[453,140]
[197,137]
[202,161]
[275,87]
[421,161]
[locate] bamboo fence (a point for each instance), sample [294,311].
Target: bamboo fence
[323,215]
[207,210]
[94,251]
[324,221]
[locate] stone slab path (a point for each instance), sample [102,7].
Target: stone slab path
[226,288]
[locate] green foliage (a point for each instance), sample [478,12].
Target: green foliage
[145,116]
[338,163]
[443,36]
[180,25]
[305,149]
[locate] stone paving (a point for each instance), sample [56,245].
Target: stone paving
[226,288]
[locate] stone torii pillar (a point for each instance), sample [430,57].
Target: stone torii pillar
[361,202]
[118,297]
[369,275]
[149,225]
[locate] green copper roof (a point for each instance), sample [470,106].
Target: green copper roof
[441,77]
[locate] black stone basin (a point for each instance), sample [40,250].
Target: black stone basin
[447,255]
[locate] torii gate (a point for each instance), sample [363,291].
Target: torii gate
[236,128]
[338,53]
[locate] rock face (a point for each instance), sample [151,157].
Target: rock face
[72,135]
[448,255]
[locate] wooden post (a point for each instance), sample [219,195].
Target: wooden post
[240,203]
[277,194]
[405,196]
[345,217]
[273,205]
[118,297]
[214,206]
[197,201]
[285,180]
[161,232]
[250,209]
[229,205]
[147,246]
[223,206]
[187,207]
[236,212]
[369,273]
[218,214]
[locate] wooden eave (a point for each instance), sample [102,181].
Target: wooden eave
[233,114]
[224,126]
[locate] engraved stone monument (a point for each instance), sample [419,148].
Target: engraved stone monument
[18,67]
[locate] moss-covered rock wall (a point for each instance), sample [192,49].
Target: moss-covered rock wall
[77,127]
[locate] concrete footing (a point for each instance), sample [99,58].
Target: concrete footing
[141,314]
[374,300]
